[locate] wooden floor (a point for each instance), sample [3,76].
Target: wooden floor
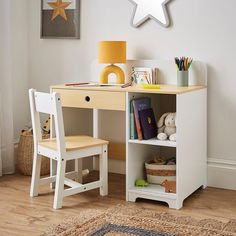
[21,215]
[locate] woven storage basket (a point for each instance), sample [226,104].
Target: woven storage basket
[156,173]
[25,155]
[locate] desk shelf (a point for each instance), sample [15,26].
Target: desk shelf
[189,150]
[153,189]
[154,142]
[153,192]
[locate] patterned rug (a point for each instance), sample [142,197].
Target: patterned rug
[127,220]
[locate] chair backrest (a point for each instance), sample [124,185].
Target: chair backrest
[48,104]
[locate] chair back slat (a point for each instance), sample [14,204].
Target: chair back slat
[44,103]
[48,104]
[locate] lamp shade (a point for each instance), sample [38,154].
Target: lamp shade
[111,52]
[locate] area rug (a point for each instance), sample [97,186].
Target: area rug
[126,220]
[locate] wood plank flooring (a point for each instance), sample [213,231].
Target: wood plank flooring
[20,215]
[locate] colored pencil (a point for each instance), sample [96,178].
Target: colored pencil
[183,63]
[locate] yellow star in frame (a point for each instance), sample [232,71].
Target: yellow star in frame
[59,9]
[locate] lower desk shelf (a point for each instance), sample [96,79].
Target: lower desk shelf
[153,189]
[153,192]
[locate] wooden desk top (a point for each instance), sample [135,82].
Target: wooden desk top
[165,89]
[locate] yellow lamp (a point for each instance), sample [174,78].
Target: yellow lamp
[111,52]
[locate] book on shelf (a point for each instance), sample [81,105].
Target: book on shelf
[148,123]
[133,130]
[155,76]
[139,105]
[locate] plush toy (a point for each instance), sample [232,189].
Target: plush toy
[141,183]
[170,186]
[167,127]
[46,126]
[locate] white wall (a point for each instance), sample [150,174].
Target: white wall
[201,29]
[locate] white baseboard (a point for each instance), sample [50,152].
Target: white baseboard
[222,173]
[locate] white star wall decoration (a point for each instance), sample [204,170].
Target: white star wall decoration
[154,9]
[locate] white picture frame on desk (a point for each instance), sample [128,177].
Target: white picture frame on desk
[141,75]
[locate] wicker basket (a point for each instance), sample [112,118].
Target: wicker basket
[25,155]
[156,173]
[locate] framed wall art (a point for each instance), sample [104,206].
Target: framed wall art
[60,19]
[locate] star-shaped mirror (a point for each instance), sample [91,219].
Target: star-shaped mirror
[154,9]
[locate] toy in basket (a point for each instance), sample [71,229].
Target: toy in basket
[26,149]
[159,170]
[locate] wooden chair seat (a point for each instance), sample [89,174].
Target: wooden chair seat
[74,143]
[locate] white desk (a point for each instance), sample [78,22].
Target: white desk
[191,148]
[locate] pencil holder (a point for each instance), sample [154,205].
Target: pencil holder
[182,78]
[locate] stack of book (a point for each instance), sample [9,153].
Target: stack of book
[142,119]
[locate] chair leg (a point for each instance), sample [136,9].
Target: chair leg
[59,191]
[103,171]
[53,171]
[79,170]
[34,189]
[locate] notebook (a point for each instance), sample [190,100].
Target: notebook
[148,123]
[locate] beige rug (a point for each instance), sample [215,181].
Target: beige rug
[130,220]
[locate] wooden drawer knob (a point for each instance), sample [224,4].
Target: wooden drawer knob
[87,99]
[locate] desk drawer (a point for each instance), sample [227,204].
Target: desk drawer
[92,99]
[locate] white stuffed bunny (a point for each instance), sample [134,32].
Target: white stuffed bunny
[167,127]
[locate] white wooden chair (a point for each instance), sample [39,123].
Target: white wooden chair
[62,149]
